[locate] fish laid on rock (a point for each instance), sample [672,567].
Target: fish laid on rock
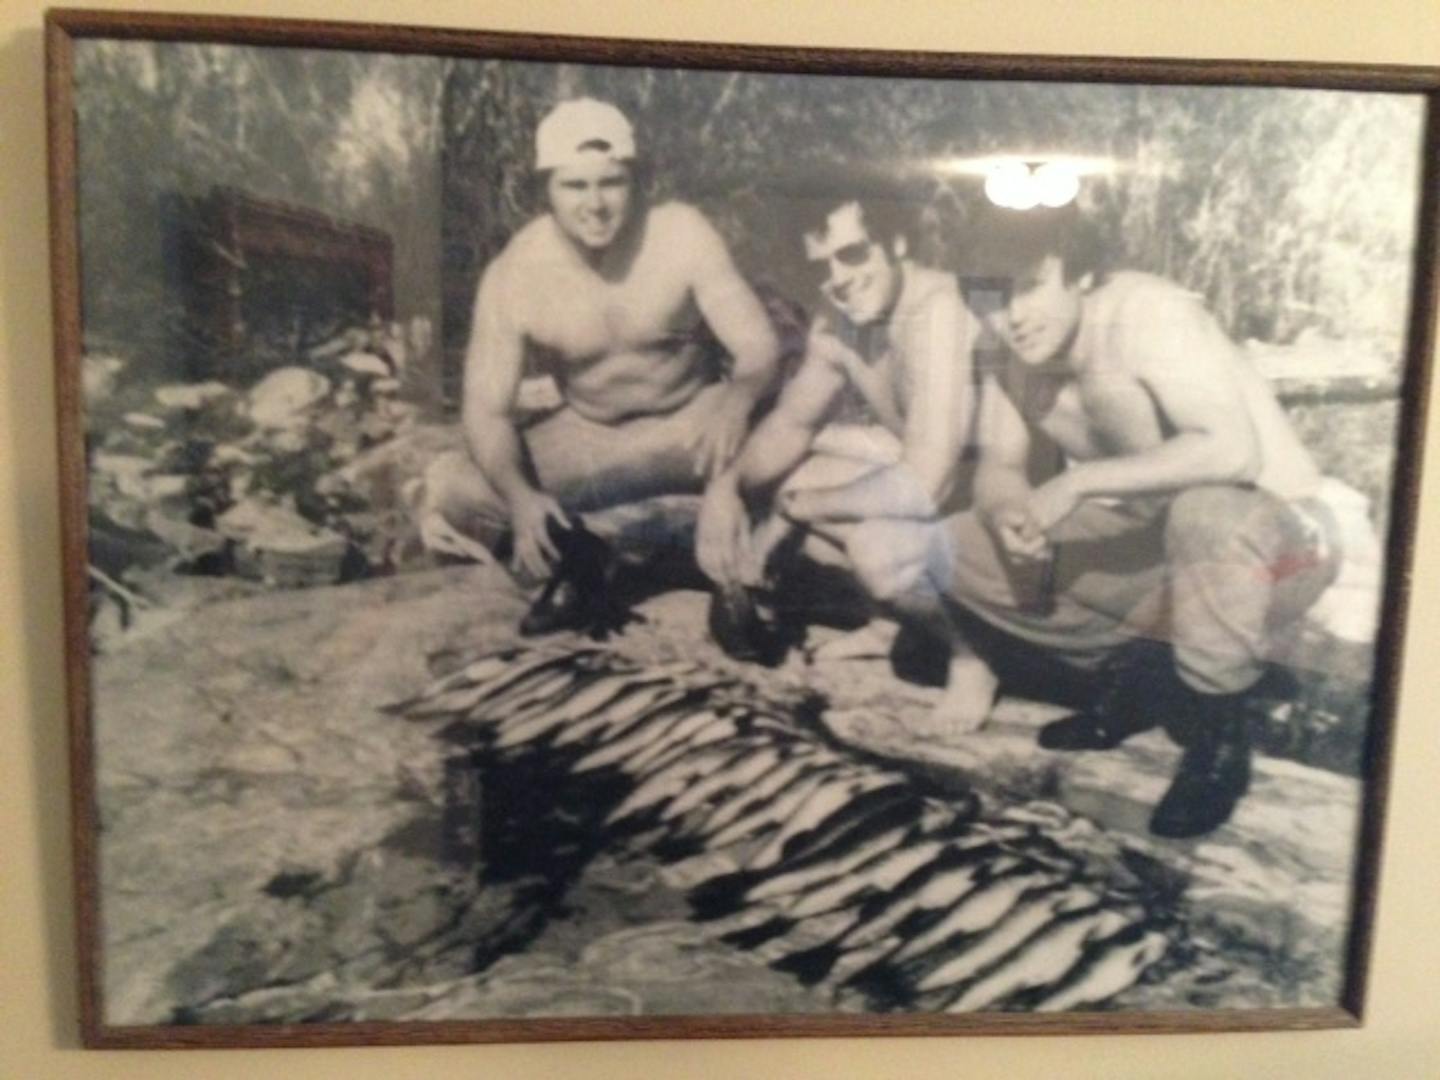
[833,868]
[1045,959]
[1113,966]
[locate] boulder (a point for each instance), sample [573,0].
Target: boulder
[98,373]
[190,542]
[367,364]
[191,397]
[285,396]
[144,421]
[279,547]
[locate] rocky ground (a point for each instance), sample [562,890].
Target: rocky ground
[275,848]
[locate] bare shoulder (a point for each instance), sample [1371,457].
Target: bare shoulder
[929,295]
[523,269]
[1138,320]
[929,287]
[681,227]
[675,217]
[536,244]
[1134,298]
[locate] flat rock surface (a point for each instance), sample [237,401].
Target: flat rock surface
[272,846]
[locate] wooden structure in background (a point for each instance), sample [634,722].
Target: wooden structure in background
[237,238]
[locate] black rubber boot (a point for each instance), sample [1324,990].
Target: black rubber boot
[1214,771]
[740,629]
[1136,692]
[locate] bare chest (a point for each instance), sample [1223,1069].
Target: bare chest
[574,316]
[1102,414]
[881,386]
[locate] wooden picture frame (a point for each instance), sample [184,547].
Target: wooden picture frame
[243,881]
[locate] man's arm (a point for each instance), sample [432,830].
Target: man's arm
[936,344]
[1002,487]
[1184,361]
[777,445]
[782,439]
[738,320]
[494,364]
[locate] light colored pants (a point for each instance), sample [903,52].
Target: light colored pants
[583,464]
[1215,570]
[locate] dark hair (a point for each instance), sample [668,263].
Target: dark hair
[1004,243]
[889,206]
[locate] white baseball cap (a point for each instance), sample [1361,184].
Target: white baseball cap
[579,127]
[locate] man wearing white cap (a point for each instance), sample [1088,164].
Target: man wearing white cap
[611,297]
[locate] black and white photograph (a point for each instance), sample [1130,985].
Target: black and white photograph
[570,540]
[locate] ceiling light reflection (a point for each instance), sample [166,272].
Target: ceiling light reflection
[1024,180]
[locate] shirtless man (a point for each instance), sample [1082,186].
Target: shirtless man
[1187,509]
[606,294]
[899,337]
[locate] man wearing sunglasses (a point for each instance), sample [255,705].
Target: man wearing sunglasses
[897,339]
[622,303]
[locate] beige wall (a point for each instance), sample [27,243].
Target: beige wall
[37,982]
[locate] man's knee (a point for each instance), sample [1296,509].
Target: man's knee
[890,558]
[444,480]
[1205,520]
[454,489]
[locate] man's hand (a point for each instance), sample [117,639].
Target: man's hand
[1018,532]
[722,534]
[717,443]
[535,552]
[824,342]
[797,505]
[1053,501]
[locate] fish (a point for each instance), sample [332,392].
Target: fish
[762,719]
[1044,959]
[743,770]
[857,826]
[1027,918]
[780,947]
[888,923]
[1118,964]
[530,699]
[882,873]
[585,709]
[432,705]
[666,784]
[698,729]
[586,719]
[796,763]
[811,816]
[648,729]
[526,678]
[857,819]
[822,870]
[587,700]
[473,676]
[644,711]
[771,814]
[840,967]
[980,909]
[944,883]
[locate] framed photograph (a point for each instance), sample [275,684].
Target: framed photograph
[577,539]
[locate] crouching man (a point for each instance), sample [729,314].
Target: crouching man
[896,340]
[1187,510]
[611,297]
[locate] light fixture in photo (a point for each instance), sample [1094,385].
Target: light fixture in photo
[1024,181]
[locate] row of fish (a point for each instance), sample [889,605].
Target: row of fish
[835,868]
